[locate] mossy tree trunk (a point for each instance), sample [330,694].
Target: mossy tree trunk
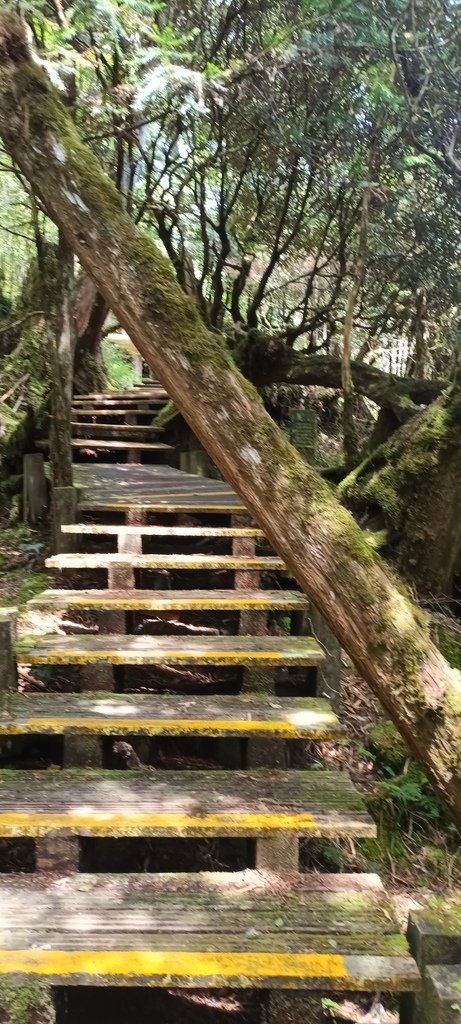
[90,313]
[61,346]
[385,635]
[411,487]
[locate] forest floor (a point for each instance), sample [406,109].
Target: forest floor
[417,853]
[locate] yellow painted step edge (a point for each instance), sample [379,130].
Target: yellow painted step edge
[166,726]
[131,963]
[94,823]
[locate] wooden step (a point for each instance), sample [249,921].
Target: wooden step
[115,428]
[128,404]
[114,649]
[251,563]
[256,804]
[124,446]
[172,600]
[333,932]
[160,531]
[101,413]
[136,393]
[108,714]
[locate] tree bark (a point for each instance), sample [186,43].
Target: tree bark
[384,633]
[61,360]
[411,487]
[350,439]
[91,311]
[273,362]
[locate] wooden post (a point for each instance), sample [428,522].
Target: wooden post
[57,854]
[35,488]
[279,853]
[8,669]
[64,511]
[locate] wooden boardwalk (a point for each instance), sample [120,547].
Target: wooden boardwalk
[154,488]
[176,656]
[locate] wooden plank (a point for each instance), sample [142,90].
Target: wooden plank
[170,650]
[171,600]
[127,404]
[115,560]
[121,649]
[182,804]
[161,531]
[138,394]
[205,902]
[98,413]
[83,442]
[109,714]
[199,968]
[116,428]
[159,488]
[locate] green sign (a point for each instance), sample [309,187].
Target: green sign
[303,431]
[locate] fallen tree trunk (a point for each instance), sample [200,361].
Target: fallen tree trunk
[273,362]
[384,633]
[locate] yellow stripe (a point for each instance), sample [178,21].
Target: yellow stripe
[144,963]
[106,824]
[154,504]
[133,657]
[155,726]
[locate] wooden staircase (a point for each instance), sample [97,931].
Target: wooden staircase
[297,936]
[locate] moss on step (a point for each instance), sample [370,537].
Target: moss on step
[27,1002]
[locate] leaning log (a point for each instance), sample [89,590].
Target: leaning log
[384,633]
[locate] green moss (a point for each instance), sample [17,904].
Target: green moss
[387,477]
[26,1002]
[32,585]
[166,415]
[449,644]
[387,743]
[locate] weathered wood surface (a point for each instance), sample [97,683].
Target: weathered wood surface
[108,714]
[159,488]
[441,998]
[115,429]
[115,412]
[162,531]
[182,804]
[206,901]
[83,442]
[170,650]
[34,491]
[116,560]
[136,394]
[128,404]
[281,964]
[171,600]
[245,930]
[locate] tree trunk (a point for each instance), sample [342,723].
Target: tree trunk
[61,359]
[350,439]
[91,311]
[273,362]
[384,633]
[411,487]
